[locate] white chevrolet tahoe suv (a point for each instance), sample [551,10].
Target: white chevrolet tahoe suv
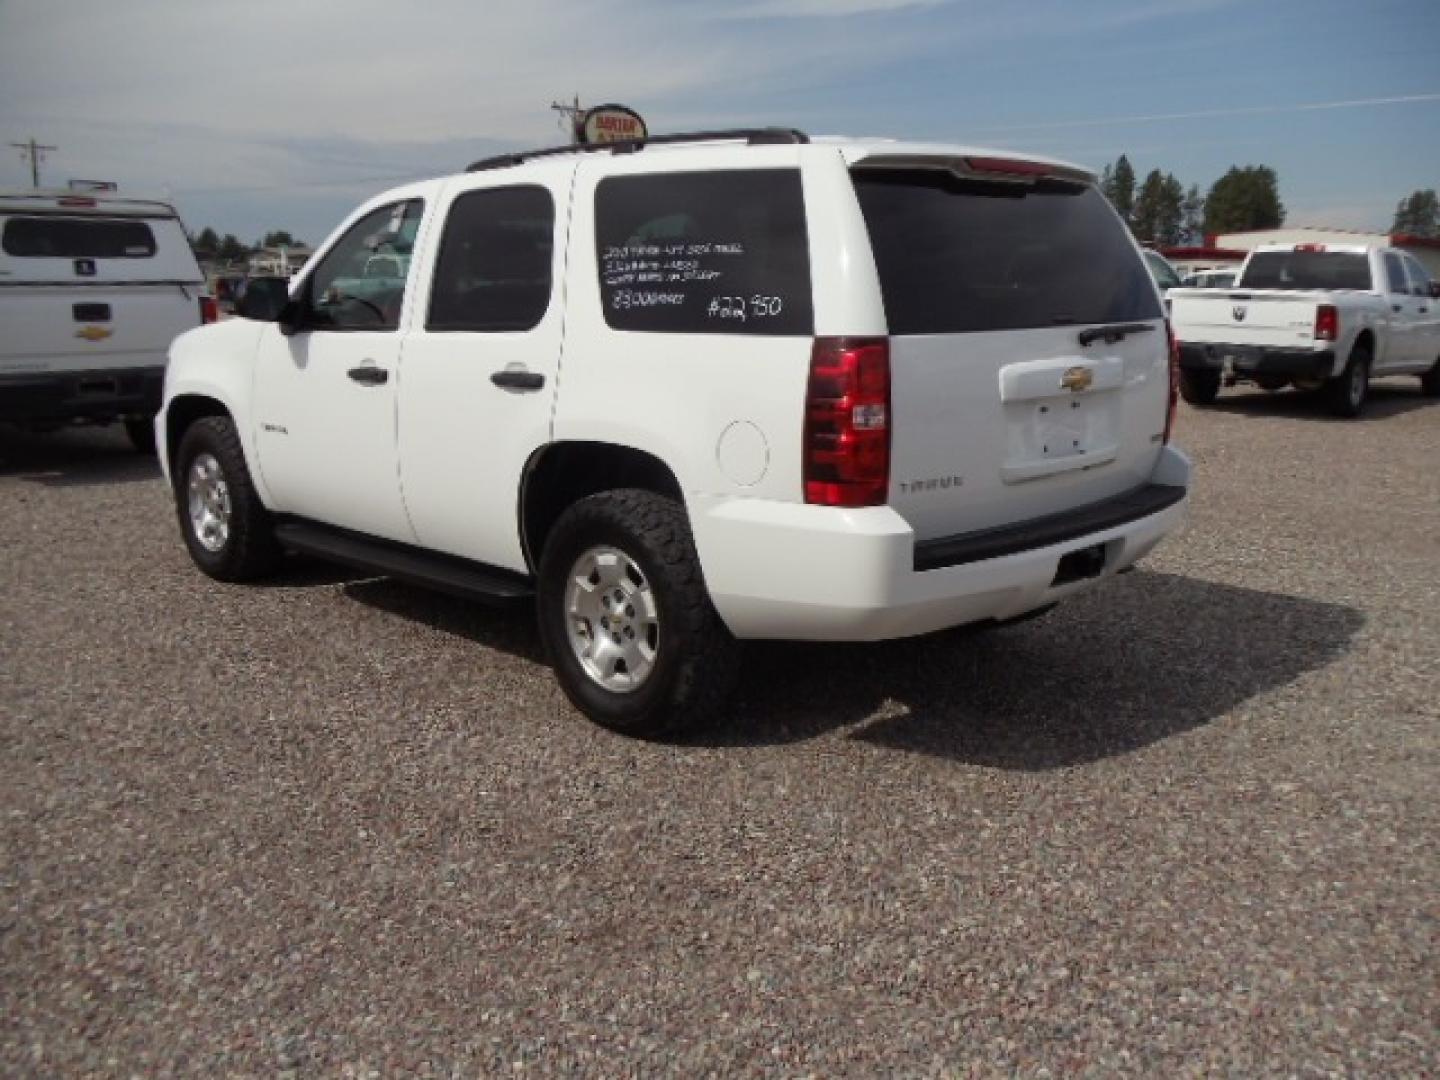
[1323,317]
[698,389]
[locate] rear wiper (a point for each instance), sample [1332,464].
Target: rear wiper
[1112,332]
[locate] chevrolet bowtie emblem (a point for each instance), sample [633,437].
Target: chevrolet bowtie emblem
[1076,379]
[94,333]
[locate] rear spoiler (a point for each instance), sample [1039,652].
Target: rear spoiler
[981,166]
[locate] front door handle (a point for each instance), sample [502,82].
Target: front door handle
[369,375]
[514,379]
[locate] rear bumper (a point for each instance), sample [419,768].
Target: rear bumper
[785,570]
[1252,360]
[104,394]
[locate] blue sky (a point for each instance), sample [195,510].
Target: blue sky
[275,114]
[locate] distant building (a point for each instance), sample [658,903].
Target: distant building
[284,261]
[1230,249]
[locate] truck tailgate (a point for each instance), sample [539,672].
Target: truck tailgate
[57,328]
[1245,317]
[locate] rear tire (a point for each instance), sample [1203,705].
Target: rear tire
[1199,386]
[1347,393]
[626,618]
[1430,381]
[141,432]
[226,528]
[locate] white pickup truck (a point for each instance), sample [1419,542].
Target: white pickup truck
[93,288]
[1317,316]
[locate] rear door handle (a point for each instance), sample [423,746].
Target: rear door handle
[369,375]
[1397,307]
[512,379]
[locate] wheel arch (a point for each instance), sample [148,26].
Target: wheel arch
[182,411]
[560,474]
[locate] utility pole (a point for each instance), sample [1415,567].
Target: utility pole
[569,116]
[35,153]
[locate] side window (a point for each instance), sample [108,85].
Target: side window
[360,283]
[704,253]
[1419,278]
[1395,274]
[494,269]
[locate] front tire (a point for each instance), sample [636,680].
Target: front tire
[1347,393]
[1199,386]
[626,618]
[227,529]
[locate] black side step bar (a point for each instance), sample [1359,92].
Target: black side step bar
[447,573]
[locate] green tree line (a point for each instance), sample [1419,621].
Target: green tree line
[209,244]
[1160,210]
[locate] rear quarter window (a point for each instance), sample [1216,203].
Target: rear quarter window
[962,255]
[55,237]
[721,252]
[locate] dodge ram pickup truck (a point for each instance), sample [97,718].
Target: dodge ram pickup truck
[1320,317]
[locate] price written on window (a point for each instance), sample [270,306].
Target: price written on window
[741,309]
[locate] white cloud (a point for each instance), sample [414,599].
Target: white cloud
[199,98]
[829,9]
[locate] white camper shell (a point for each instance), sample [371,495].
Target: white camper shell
[93,288]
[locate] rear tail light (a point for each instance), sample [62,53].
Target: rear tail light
[209,312]
[1174,380]
[1327,323]
[847,422]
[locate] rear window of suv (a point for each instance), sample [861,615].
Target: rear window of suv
[78,238]
[721,252]
[1307,270]
[960,255]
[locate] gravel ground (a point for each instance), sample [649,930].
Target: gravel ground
[1184,825]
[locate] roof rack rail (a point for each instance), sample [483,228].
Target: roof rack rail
[769,136]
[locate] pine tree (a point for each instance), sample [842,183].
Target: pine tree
[1170,213]
[207,243]
[1418,215]
[1146,217]
[1121,191]
[1244,199]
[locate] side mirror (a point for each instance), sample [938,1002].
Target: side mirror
[264,299]
[1435,289]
